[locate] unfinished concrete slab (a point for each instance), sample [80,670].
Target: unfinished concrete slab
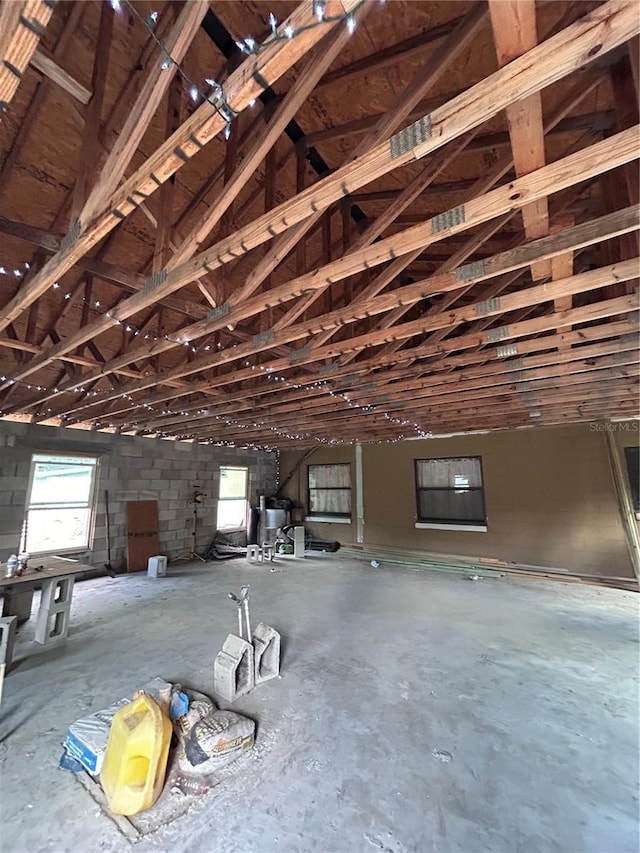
[416,712]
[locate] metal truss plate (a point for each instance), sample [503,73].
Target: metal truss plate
[448,219]
[411,136]
[219,312]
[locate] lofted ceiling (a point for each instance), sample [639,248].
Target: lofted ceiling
[370,221]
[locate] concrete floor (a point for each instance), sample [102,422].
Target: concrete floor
[416,712]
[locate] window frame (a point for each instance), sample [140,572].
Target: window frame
[91,504]
[475,526]
[244,468]
[328,517]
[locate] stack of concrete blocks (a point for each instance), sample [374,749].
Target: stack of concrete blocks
[52,624]
[239,666]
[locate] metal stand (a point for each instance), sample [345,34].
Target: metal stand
[243,606]
[193,554]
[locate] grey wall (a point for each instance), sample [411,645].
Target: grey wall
[131,469]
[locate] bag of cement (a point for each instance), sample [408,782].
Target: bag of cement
[215,741]
[86,740]
[199,707]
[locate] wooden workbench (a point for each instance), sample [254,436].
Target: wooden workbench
[53,567]
[44,572]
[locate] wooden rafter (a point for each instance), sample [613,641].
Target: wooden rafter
[514,33]
[516,258]
[243,86]
[47,66]
[22,25]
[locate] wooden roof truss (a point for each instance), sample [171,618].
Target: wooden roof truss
[240,302]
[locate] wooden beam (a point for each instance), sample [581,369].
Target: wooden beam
[603,119]
[242,86]
[609,337]
[22,25]
[552,59]
[326,52]
[90,140]
[476,380]
[516,347]
[591,280]
[47,66]
[457,41]
[514,33]
[147,102]
[436,165]
[563,173]
[31,114]
[582,89]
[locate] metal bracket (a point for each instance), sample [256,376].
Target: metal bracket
[448,219]
[69,239]
[499,334]
[488,306]
[155,281]
[262,338]
[507,350]
[469,271]
[219,312]
[299,355]
[411,136]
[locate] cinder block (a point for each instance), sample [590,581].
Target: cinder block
[8,625]
[266,651]
[129,450]
[52,623]
[233,670]
[298,541]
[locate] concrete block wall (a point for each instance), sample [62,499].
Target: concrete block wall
[130,469]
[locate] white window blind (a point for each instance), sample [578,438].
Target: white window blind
[329,490]
[450,491]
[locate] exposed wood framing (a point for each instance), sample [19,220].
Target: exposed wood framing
[22,25]
[243,86]
[514,33]
[486,288]
[46,65]
[516,258]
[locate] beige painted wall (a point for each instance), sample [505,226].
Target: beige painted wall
[549,495]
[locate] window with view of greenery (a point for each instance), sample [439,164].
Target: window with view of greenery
[61,502]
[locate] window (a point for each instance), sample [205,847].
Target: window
[60,504]
[232,500]
[632,458]
[329,493]
[449,494]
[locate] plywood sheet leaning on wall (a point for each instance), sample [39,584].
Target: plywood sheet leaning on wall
[142,534]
